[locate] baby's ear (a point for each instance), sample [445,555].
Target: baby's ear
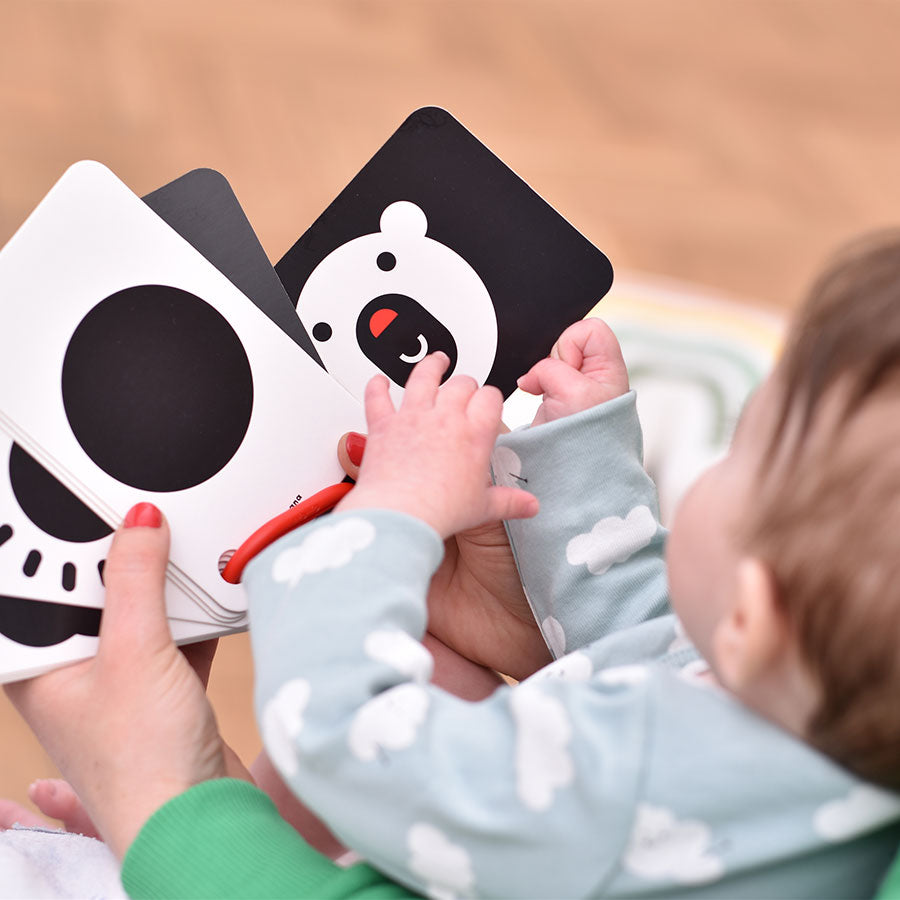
[752,634]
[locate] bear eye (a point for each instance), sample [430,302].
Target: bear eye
[386,261]
[321,331]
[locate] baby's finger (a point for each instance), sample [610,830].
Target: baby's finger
[55,797]
[548,376]
[457,392]
[485,408]
[12,813]
[422,384]
[590,345]
[377,399]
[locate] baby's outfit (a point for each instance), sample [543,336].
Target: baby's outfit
[616,771]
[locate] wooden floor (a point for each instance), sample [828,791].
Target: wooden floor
[729,143]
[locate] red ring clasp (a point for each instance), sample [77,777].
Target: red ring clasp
[314,506]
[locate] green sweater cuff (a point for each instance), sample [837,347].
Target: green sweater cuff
[225,839]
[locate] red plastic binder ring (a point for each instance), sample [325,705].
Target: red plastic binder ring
[322,502]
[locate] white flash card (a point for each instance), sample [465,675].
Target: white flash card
[20,660]
[134,370]
[53,548]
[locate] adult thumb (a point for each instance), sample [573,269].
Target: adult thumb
[134,615]
[511,503]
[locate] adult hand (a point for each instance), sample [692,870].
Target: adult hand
[132,727]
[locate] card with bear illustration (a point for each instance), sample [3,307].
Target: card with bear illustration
[438,245]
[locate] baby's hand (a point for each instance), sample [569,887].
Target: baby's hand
[585,367]
[430,457]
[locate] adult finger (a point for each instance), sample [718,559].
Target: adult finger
[134,615]
[422,384]
[200,656]
[510,503]
[351,447]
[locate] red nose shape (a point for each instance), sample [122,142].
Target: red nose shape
[380,320]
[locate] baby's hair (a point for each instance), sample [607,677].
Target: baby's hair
[827,519]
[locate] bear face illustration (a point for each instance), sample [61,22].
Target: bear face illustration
[382,301]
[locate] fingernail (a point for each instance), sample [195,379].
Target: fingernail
[143,515]
[355,446]
[50,788]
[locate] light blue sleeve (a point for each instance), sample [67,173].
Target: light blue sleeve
[591,561]
[530,792]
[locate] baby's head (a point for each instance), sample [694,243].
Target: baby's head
[784,559]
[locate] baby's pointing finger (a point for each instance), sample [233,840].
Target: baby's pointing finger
[424,380]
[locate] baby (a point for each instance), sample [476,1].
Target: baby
[728,751]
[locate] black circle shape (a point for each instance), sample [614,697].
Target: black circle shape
[322,331]
[49,504]
[386,261]
[157,388]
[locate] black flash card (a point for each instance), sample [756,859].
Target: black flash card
[202,208]
[438,245]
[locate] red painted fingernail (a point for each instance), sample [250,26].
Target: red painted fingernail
[143,515]
[355,445]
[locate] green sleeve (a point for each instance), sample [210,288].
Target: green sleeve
[225,838]
[890,887]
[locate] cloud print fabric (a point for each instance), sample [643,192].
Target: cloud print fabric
[663,847]
[612,540]
[610,773]
[328,548]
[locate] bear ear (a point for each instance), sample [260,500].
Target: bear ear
[404,218]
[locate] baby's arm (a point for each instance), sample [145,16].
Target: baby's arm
[592,561]
[529,792]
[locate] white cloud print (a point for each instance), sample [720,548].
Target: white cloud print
[663,847]
[282,721]
[445,867]
[554,635]
[865,807]
[400,651]
[575,666]
[633,673]
[389,721]
[612,540]
[507,467]
[329,547]
[543,731]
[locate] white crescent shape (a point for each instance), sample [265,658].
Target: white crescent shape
[423,349]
